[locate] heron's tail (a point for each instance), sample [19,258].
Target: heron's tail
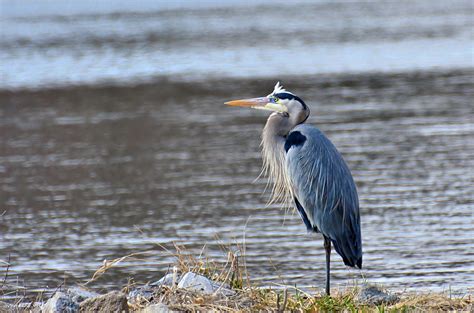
[350,249]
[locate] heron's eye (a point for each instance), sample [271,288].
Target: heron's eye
[275,99]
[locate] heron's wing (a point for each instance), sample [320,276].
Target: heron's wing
[323,187]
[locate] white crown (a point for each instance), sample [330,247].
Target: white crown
[278,88]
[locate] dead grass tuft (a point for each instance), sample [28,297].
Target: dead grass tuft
[440,302]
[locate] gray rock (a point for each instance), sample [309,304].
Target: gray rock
[167,280]
[373,295]
[60,303]
[196,282]
[79,294]
[147,291]
[156,308]
[139,294]
[114,301]
[226,291]
[199,283]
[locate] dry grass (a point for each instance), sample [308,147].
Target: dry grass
[106,265]
[186,300]
[250,298]
[275,300]
[440,302]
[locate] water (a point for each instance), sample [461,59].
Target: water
[66,42]
[114,137]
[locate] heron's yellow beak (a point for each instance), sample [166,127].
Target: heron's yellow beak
[262,103]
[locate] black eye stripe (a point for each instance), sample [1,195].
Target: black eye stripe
[289,96]
[285,95]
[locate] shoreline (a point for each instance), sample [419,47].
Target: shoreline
[200,284]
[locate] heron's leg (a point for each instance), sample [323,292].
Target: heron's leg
[327,247]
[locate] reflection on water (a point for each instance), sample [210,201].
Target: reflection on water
[81,169]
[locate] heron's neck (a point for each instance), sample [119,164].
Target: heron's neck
[273,153]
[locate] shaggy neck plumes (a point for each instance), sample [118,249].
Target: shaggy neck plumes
[273,152]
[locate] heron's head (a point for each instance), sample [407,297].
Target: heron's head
[284,105]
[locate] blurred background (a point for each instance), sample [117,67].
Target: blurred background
[114,137]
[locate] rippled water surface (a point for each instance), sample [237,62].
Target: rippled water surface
[61,42]
[89,174]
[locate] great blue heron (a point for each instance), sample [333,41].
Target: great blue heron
[307,170]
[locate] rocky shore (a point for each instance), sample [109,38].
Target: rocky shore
[192,292]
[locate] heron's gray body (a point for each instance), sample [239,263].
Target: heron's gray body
[324,191]
[306,169]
